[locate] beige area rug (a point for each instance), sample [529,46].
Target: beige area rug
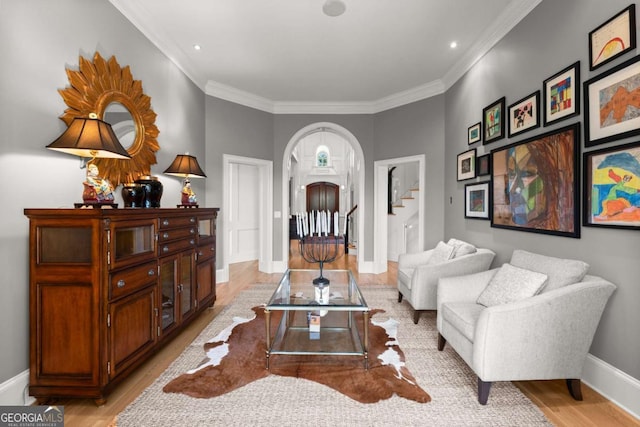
[285,401]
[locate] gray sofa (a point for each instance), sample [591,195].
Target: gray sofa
[507,326]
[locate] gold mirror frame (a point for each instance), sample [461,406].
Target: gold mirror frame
[96,85]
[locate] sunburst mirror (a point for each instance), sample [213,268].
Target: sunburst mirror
[108,90]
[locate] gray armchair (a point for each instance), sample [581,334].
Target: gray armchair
[418,273]
[519,337]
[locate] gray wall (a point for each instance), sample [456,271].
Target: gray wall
[38,40]
[552,37]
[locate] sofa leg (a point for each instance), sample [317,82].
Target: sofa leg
[399,297]
[416,316]
[441,342]
[574,388]
[483,391]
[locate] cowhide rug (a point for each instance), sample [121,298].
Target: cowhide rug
[236,357]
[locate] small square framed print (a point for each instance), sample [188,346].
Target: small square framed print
[467,165]
[562,94]
[483,165]
[613,38]
[477,200]
[474,133]
[524,114]
[493,121]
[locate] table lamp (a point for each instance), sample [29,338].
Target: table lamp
[91,137]
[186,166]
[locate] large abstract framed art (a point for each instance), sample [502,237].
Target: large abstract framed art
[535,184]
[612,187]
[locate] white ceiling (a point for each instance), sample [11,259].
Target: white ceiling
[287,56]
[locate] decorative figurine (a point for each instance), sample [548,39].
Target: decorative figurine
[96,189]
[188,195]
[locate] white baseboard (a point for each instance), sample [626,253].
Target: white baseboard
[620,388]
[13,392]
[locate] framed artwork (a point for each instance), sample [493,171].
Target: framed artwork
[612,109]
[612,187]
[561,93]
[524,114]
[467,165]
[493,121]
[613,38]
[483,165]
[477,200]
[534,184]
[474,134]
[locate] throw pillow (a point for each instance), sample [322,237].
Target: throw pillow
[511,284]
[561,272]
[461,248]
[441,253]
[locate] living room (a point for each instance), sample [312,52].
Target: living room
[40,39]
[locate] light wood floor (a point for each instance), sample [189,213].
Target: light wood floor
[551,396]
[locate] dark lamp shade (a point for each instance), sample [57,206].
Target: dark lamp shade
[185,166]
[89,137]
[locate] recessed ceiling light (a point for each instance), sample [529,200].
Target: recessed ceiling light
[453,45]
[197,47]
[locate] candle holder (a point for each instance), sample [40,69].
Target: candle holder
[319,249]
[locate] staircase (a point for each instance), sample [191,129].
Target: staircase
[401,225]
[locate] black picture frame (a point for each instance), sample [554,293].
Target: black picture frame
[477,200]
[561,94]
[613,38]
[483,165]
[493,118]
[601,94]
[535,184]
[608,200]
[466,168]
[524,114]
[474,133]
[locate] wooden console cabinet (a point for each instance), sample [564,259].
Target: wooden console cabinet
[109,287]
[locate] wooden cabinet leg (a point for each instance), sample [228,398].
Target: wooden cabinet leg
[575,389]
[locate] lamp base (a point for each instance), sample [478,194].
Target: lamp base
[96,205]
[187,206]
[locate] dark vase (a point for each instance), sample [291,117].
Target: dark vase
[133,195]
[152,191]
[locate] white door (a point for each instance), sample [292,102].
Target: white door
[244,212]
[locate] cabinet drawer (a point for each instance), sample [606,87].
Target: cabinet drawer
[130,280]
[176,246]
[205,252]
[176,233]
[178,221]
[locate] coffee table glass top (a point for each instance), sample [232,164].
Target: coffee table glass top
[296,291]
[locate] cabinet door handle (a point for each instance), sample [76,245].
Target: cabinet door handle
[165,235]
[165,249]
[165,222]
[192,220]
[151,272]
[192,231]
[121,283]
[192,242]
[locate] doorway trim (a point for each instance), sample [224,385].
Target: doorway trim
[359,170]
[265,203]
[381,172]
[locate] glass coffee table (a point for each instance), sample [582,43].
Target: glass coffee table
[317,319]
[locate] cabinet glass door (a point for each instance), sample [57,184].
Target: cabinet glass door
[186,284]
[132,242]
[168,271]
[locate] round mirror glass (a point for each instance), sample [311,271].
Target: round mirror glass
[121,121]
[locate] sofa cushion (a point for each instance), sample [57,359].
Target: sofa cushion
[463,316]
[441,253]
[561,272]
[461,248]
[511,284]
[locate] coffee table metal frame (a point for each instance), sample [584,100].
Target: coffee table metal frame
[292,335]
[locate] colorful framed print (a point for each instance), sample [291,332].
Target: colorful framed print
[493,121]
[524,114]
[562,94]
[611,104]
[612,187]
[467,165]
[483,165]
[613,38]
[534,184]
[474,133]
[477,200]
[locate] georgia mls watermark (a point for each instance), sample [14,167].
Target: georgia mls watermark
[32,416]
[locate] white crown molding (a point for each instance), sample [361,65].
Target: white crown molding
[510,17]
